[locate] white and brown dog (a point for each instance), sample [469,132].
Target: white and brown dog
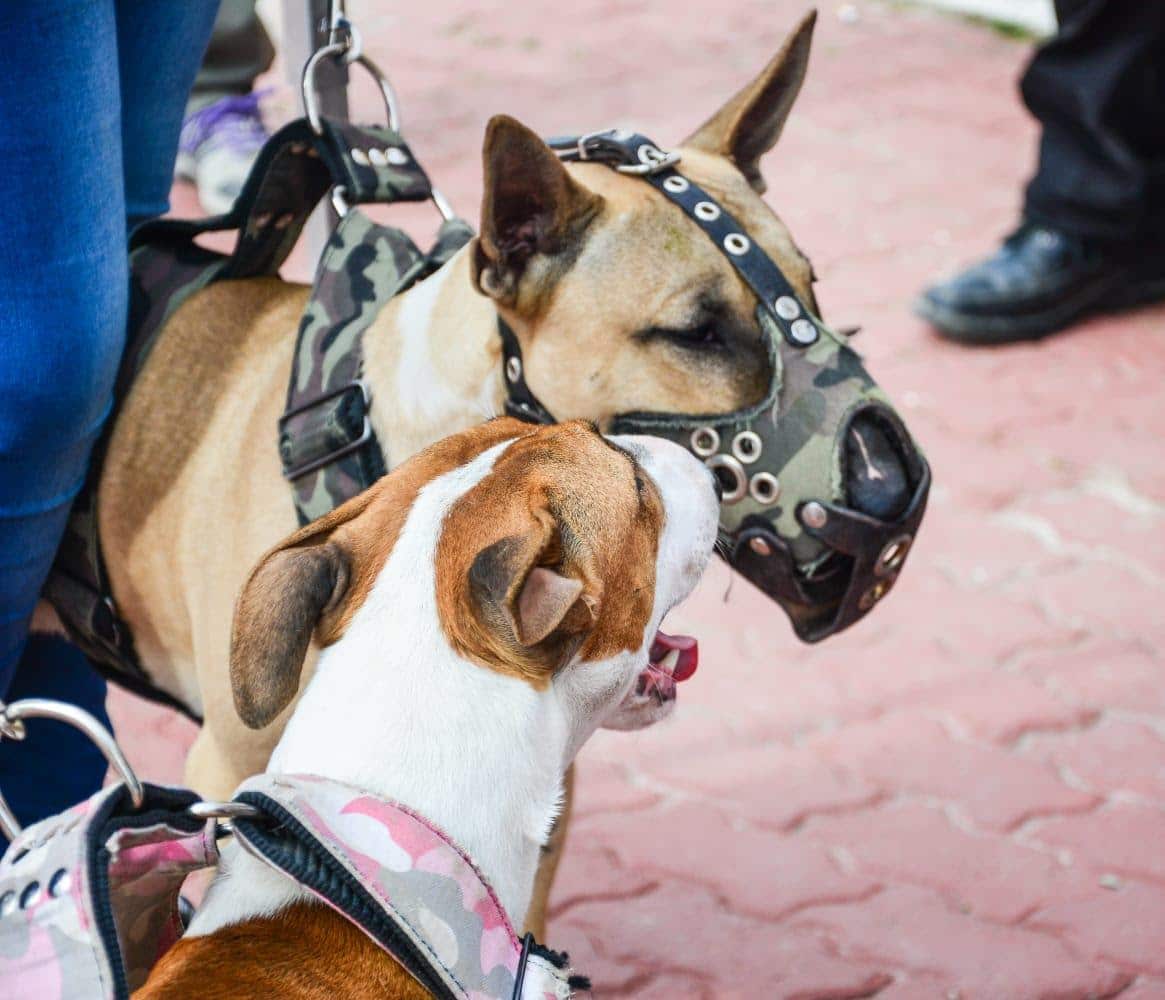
[482,610]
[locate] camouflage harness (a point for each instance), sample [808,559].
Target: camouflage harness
[783,509]
[326,443]
[89,898]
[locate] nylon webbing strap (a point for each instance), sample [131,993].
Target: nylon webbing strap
[295,169]
[326,442]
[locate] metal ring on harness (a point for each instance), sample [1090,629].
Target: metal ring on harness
[343,51]
[12,726]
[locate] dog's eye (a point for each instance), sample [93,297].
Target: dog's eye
[703,336]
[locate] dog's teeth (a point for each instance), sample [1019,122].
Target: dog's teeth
[669,662]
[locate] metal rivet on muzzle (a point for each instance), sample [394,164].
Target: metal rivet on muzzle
[803,331]
[890,559]
[813,515]
[514,368]
[873,595]
[764,488]
[707,211]
[705,441]
[675,184]
[787,307]
[760,546]
[730,473]
[736,244]
[747,446]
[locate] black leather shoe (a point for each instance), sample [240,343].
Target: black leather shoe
[1040,281]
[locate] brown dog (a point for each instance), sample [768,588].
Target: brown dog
[611,291]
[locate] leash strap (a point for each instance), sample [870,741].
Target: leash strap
[294,171]
[89,897]
[402,882]
[326,442]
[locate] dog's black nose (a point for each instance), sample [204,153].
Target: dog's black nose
[876,479]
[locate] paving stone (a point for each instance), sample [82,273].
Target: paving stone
[1125,926]
[757,872]
[1121,837]
[914,928]
[683,930]
[987,875]
[766,784]
[1118,755]
[997,789]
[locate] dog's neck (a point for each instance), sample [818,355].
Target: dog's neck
[433,360]
[394,710]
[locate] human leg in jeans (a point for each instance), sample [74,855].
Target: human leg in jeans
[1093,235]
[223,130]
[91,99]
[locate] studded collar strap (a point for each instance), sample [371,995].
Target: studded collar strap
[632,153]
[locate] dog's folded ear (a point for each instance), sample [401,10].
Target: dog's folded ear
[296,589]
[519,595]
[750,124]
[530,205]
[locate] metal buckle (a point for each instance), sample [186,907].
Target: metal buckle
[363,439]
[12,727]
[653,160]
[349,53]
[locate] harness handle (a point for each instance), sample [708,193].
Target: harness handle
[12,726]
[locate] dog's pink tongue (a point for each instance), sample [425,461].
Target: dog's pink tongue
[687,648]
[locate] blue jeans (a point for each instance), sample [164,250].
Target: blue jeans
[91,101]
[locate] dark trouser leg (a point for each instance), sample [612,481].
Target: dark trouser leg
[1098,90]
[239,51]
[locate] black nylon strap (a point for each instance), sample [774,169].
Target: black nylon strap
[634,153]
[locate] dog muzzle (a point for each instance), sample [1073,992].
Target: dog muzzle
[822,489]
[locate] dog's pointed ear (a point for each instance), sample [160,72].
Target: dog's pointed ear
[297,587]
[518,592]
[748,126]
[530,205]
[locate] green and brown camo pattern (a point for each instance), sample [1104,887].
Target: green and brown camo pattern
[814,392]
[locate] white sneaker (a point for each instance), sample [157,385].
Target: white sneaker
[218,145]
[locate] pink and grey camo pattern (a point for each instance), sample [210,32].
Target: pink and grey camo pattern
[49,945]
[430,889]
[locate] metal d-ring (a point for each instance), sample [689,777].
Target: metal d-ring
[349,54]
[12,726]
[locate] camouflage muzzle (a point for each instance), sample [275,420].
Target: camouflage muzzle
[823,540]
[786,515]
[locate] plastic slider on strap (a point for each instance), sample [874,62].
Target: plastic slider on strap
[324,429]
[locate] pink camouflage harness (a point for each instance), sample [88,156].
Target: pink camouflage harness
[89,898]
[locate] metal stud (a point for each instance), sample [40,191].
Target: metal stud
[760,546]
[873,595]
[377,157]
[787,307]
[803,331]
[733,481]
[706,211]
[397,157]
[764,488]
[514,368]
[736,244]
[262,220]
[60,883]
[705,441]
[890,559]
[747,446]
[813,515]
[284,220]
[7,904]
[360,157]
[676,184]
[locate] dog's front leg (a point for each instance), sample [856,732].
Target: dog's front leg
[548,863]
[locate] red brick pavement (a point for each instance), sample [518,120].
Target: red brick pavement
[963,796]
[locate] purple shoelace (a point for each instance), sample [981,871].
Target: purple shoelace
[234,122]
